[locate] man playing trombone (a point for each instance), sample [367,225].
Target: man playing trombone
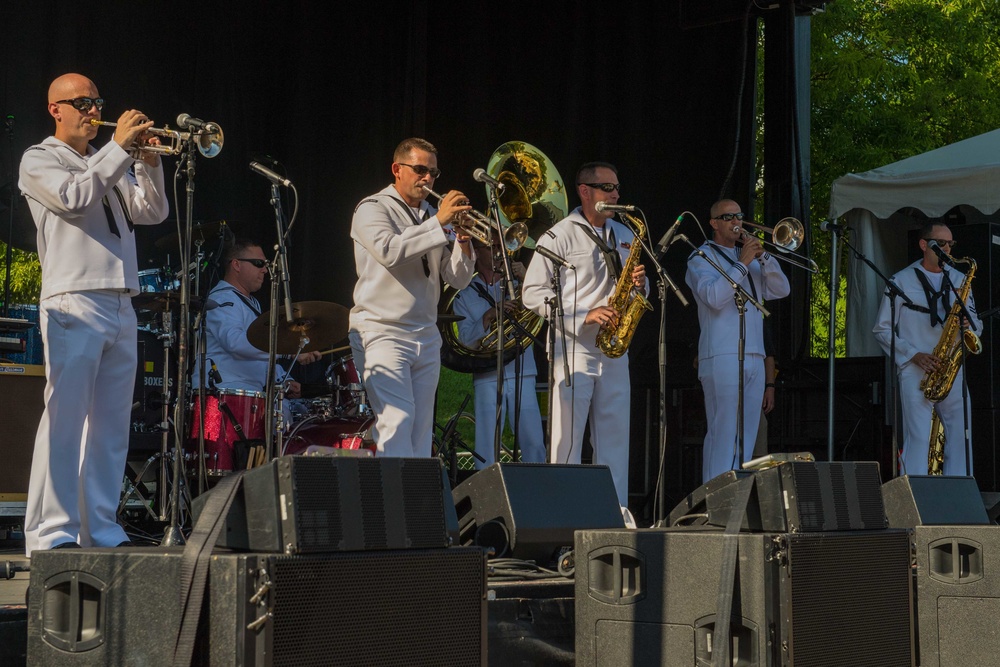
[743,258]
[402,254]
[85,203]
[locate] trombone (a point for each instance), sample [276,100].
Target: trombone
[786,236]
[480,227]
[209,142]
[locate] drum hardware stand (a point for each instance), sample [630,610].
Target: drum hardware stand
[167,336]
[132,489]
[450,441]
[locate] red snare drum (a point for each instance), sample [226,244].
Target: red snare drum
[345,383]
[336,433]
[220,433]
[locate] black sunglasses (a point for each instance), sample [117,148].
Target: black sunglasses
[607,187]
[950,244]
[729,217]
[421,169]
[259,263]
[84,103]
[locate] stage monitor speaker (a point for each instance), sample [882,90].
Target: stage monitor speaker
[819,496]
[319,504]
[121,607]
[919,500]
[530,510]
[650,597]
[22,389]
[958,595]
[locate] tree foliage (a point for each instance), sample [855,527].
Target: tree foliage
[25,275]
[891,79]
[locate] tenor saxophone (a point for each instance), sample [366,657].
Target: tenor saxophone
[629,302]
[936,384]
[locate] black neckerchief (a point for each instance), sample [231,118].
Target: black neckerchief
[722,253]
[611,257]
[416,221]
[934,298]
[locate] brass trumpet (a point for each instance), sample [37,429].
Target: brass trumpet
[786,236]
[209,142]
[480,227]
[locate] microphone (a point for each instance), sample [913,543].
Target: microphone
[214,374]
[668,237]
[944,257]
[187,122]
[605,206]
[269,175]
[828,226]
[481,176]
[554,258]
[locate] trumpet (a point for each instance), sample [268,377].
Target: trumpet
[786,236]
[209,142]
[480,227]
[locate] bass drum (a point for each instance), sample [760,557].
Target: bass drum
[315,435]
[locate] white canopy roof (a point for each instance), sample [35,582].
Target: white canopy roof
[876,204]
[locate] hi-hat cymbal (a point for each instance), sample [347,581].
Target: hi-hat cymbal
[322,322]
[157,302]
[199,230]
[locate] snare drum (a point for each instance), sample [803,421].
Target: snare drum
[248,410]
[347,388]
[336,433]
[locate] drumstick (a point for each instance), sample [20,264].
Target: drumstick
[335,349]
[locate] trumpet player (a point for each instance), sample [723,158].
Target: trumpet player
[718,344]
[477,304]
[918,330]
[402,253]
[85,202]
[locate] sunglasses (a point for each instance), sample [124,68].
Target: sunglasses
[259,263]
[84,103]
[729,217]
[422,170]
[950,244]
[607,187]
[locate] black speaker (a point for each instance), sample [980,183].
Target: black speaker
[121,607]
[918,500]
[958,594]
[530,510]
[649,597]
[318,504]
[794,497]
[22,388]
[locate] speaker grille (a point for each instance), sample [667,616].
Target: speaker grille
[850,596]
[422,491]
[835,496]
[379,608]
[319,520]
[373,503]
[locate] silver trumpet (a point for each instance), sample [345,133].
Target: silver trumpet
[209,141]
[786,236]
[480,227]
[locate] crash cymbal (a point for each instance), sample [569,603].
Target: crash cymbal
[200,230]
[321,322]
[157,302]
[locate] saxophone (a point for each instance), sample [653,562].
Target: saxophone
[628,301]
[937,384]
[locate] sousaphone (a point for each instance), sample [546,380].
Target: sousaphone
[534,194]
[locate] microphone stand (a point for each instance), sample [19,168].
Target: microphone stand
[508,287]
[742,297]
[966,317]
[555,317]
[279,274]
[893,290]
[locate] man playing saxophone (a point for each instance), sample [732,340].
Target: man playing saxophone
[599,248]
[918,330]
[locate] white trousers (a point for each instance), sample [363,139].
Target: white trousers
[917,425]
[82,441]
[530,440]
[600,390]
[720,382]
[400,376]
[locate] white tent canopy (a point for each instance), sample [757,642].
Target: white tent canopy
[879,204]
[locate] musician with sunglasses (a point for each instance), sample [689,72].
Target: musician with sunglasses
[85,203]
[918,330]
[746,263]
[402,254]
[598,247]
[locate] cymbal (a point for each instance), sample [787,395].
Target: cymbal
[321,322]
[449,318]
[158,302]
[200,230]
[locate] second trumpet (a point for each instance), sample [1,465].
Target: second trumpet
[480,227]
[209,141]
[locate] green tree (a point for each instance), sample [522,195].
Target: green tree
[891,79]
[25,275]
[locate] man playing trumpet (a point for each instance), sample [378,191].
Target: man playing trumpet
[402,254]
[85,203]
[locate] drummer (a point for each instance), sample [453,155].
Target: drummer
[232,362]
